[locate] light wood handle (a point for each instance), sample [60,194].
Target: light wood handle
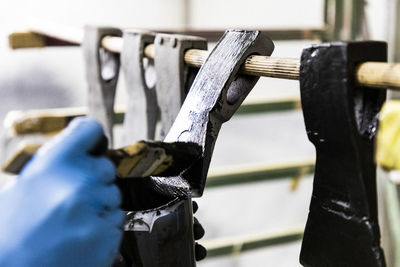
[373,74]
[379,74]
[141,159]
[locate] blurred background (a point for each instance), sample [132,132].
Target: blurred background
[274,207]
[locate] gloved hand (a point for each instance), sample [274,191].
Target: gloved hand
[64,208]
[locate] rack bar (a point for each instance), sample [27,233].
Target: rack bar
[38,37]
[50,121]
[379,74]
[284,68]
[251,174]
[239,244]
[278,34]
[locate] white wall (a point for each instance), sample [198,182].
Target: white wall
[256,14]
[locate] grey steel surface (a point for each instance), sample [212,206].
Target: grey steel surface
[140,80]
[102,69]
[174,77]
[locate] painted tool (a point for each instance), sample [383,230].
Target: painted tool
[341,121]
[161,204]
[102,71]
[174,77]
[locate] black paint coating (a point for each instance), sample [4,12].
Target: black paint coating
[167,242]
[217,92]
[341,120]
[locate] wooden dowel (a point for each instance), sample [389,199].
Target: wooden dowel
[112,43]
[379,74]
[195,57]
[51,121]
[373,74]
[276,67]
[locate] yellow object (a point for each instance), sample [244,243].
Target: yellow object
[135,154]
[295,181]
[15,164]
[388,142]
[26,40]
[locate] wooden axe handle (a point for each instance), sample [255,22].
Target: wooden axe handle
[141,159]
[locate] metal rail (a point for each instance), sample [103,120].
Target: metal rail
[49,121]
[238,244]
[373,74]
[41,40]
[259,173]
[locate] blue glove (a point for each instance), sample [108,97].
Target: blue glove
[64,208]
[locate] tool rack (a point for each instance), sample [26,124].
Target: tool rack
[380,75]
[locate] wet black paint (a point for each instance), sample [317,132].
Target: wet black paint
[341,119]
[216,94]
